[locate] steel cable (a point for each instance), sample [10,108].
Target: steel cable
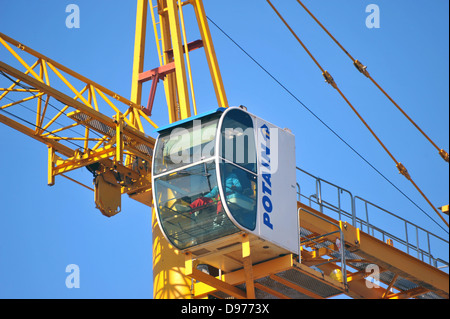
[329,79]
[363,69]
[321,121]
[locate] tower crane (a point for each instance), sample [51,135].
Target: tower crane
[227,218]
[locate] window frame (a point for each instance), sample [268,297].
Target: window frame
[187,126]
[220,159]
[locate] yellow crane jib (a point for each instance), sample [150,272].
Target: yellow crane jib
[114,148]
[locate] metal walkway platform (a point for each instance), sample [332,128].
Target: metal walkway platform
[335,258]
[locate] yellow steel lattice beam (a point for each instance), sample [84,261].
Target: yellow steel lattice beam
[57,130]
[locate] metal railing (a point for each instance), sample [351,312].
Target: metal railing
[406,236]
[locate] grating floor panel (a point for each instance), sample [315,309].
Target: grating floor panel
[110,131]
[310,283]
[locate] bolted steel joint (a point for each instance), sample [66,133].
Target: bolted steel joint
[361,68]
[402,170]
[444,155]
[329,79]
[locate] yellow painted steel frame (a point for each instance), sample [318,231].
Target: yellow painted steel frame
[172,45]
[376,252]
[371,251]
[106,140]
[227,283]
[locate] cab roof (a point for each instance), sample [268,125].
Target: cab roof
[167,127]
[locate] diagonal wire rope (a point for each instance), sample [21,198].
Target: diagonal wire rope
[323,123]
[329,79]
[363,69]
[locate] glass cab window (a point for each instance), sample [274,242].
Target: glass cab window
[239,167]
[193,200]
[186,144]
[189,206]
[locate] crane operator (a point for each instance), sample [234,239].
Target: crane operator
[232,185]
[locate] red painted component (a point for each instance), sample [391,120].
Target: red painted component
[155,75]
[191,47]
[160,73]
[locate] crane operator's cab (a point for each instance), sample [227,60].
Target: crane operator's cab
[221,174]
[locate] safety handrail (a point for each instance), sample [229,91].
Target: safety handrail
[421,253]
[404,239]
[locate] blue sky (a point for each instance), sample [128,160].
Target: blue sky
[43,229]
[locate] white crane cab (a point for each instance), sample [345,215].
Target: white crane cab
[222,174]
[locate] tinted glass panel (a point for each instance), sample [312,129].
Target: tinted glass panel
[189,206]
[238,140]
[186,144]
[240,188]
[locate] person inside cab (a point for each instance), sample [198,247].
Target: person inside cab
[232,185]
